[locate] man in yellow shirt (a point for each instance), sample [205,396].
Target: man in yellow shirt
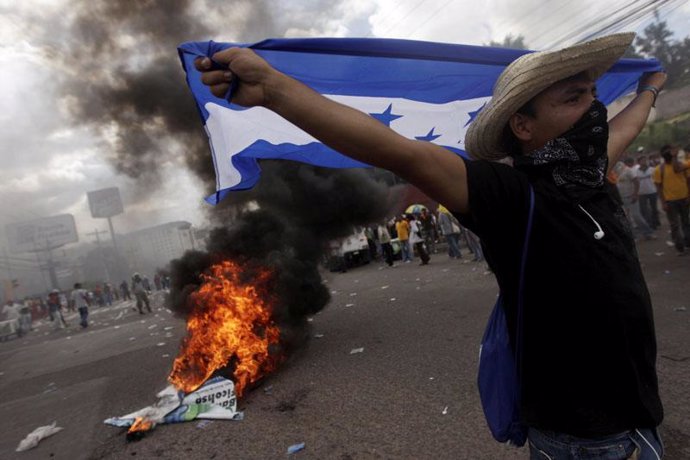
[403,229]
[671,179]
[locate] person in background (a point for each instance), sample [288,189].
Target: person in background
[417,240]
[385,240]
[402,227]
[140,293]
[445,222]
[428,224]
[80,301]
[108,294]
[671,179]
[628,187]
[648,197]
[124,289]
[55,310]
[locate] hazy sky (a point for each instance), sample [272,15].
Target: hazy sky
[93,96]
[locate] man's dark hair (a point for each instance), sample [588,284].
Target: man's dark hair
[511,144]
[641,157]
[666,153]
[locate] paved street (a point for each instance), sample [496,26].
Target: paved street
[411,393]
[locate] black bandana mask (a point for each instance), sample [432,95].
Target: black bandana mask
[576,161]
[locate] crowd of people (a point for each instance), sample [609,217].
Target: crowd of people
[17,316]
[647,182]
[417,234]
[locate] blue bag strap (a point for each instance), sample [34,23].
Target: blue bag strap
[523,263]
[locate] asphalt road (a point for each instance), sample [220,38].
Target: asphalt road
[410,394]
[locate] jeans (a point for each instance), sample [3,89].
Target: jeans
[453,246]
[650,210]
[639,444]
[474,245]
[405,247]
[677,213]
[632,211]
[84,314]
[387,250]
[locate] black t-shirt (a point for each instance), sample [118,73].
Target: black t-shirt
[589,348]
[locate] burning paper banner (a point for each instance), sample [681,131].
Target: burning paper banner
[214,400]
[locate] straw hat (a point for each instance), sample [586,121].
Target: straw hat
[531,74]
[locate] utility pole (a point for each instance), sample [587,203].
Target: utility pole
[97,234]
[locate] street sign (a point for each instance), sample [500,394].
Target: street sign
[41,234]
[105,202]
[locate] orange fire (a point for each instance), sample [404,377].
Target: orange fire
[140,424]
[230,323]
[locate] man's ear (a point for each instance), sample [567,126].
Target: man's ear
[521,125]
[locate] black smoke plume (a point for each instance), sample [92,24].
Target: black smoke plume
[127,84]
[301,208]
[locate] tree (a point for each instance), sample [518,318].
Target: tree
[510,42]
[657,42]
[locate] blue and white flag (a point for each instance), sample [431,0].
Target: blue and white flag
[422,90]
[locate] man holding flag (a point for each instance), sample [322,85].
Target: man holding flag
[589,384]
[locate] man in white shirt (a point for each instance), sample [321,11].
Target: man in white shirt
[80,301]
[647,192]
[628,187]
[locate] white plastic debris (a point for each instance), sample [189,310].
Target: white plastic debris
[160,344]
[385,287]
[167,328]
[393,299]
[658,253]
[680,309]
[349,305]
[445,410]
[153,326]
[165,355]
[132,338]
[295,448]
[356,350]
[318,336]
[352,294]
[33,438]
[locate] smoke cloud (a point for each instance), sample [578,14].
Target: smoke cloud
[301,208]
[126,83]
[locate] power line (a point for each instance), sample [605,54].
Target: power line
[396,23]
[433,15]
[589,25]
[629,18]
[621,22]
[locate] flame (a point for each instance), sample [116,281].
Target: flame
[230,321]
[140,424]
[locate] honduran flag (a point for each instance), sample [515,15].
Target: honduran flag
[422,90]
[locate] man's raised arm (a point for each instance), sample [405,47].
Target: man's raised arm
[440,173]
[624,127]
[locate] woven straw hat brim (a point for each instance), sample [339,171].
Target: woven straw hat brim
[531,74]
